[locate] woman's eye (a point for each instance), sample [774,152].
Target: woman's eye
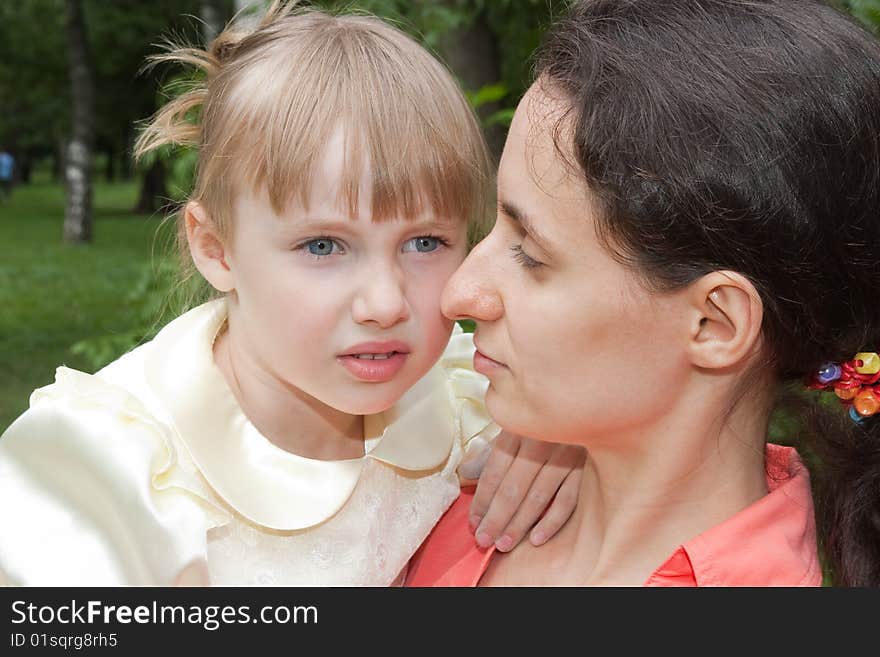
[323,246]
[423,244]
[524,258]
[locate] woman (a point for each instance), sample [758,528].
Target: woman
[689,218]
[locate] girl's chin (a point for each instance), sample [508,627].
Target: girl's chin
[369,406]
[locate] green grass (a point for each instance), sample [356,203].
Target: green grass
[53,295]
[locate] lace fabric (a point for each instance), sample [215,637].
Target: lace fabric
[367,543]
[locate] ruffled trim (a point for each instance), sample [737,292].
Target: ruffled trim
[165,474]
[467,390]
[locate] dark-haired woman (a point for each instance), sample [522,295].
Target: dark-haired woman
[689,222]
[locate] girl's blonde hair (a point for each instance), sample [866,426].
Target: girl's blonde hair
[273,94]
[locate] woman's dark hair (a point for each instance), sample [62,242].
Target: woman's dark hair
[745,135]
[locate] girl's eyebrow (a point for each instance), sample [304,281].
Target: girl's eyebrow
[514,213]
[337,224]
[438,223]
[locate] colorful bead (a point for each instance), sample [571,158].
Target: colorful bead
[828,372]
[870,362]
[866,403]
[854,415]
[846,393]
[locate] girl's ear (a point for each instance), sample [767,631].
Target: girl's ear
[207,249]
[726,316]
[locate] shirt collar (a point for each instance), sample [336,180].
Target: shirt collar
[265,484]
[772,542]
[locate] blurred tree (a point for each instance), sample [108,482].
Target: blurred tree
[124,34]
[35,97]
[213,15]
[78,160]
[471,49]
[34,92]
[487,43]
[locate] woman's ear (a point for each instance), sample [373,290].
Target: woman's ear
[727,315]
[207,249]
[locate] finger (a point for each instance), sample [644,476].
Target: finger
[563,505]
[512,491]
[544,486]
[504,451]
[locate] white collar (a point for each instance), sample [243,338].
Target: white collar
[262,482]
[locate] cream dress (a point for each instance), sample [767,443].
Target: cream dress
[149,468]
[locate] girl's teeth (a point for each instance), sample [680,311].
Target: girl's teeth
[373,356]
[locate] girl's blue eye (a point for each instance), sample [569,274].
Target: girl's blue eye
[321,247]
[423,244]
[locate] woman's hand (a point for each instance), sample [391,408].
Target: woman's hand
[521,477]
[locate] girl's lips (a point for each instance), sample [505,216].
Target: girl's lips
[485,365]
[377,370]
[377,347]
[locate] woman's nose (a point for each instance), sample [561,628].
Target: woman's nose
[471,292]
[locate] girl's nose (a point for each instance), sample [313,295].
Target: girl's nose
[472,292]
[381,299]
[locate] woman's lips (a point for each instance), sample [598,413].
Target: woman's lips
[485,365]
[375,362]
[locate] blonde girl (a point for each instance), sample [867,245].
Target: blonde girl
[306,426]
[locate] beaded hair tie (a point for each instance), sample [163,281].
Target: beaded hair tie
[854,382]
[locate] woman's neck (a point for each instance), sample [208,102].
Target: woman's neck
[286,416]
[642,496]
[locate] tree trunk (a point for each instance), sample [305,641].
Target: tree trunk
[472,53]
[154,194]
[211,15]
[110,167]
[126,165]
[78,160]
[24,167]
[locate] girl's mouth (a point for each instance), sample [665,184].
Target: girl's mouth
[374,356]
[374,368]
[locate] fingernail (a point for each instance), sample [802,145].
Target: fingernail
[483,539]
[475,522]
[505,543]
[538,538]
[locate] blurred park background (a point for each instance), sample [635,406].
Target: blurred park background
[87,262]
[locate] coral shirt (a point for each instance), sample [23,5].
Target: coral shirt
[772,542]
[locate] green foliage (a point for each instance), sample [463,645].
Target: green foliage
[180,161]
[34,86]
[867,11]
[492,93]
[467,325]
[516,26]
[147,301]
[34,93]
[54,295]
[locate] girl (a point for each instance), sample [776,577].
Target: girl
[690,205]
[299,429]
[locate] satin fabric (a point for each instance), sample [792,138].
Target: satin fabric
[772,542]
[115,477]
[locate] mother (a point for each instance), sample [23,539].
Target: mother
[689,217]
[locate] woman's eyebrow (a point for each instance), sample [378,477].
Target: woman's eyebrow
[516,214]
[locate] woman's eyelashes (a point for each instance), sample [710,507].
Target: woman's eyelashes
[524,258]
